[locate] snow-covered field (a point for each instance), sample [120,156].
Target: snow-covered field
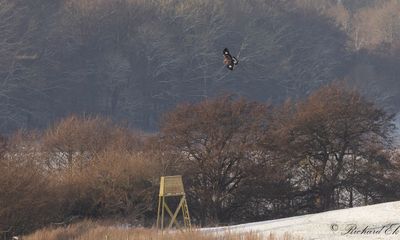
[380,221]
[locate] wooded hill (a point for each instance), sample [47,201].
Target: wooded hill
[132,60]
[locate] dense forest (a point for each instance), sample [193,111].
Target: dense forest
[132,60]
[100,98]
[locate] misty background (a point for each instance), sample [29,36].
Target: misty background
[133,60]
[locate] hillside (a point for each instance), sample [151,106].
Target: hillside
[379,221]
[133,60]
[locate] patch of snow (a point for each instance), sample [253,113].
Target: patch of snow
[379,221]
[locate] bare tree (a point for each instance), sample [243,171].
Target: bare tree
[12,49]
[214,140]
[329,137]
[76,141]
[23,184]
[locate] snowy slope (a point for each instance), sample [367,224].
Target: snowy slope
[380,221]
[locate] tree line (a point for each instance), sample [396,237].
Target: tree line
[241,160]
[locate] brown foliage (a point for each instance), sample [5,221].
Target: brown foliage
[88,230]
[100,168]
[26,199]
[329,137]
[75,140]
[106,174]
[123,183]
[213,140]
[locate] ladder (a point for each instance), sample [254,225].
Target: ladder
[185,212]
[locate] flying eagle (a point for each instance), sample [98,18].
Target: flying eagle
[229,61]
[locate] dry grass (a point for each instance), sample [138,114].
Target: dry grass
[88,230]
